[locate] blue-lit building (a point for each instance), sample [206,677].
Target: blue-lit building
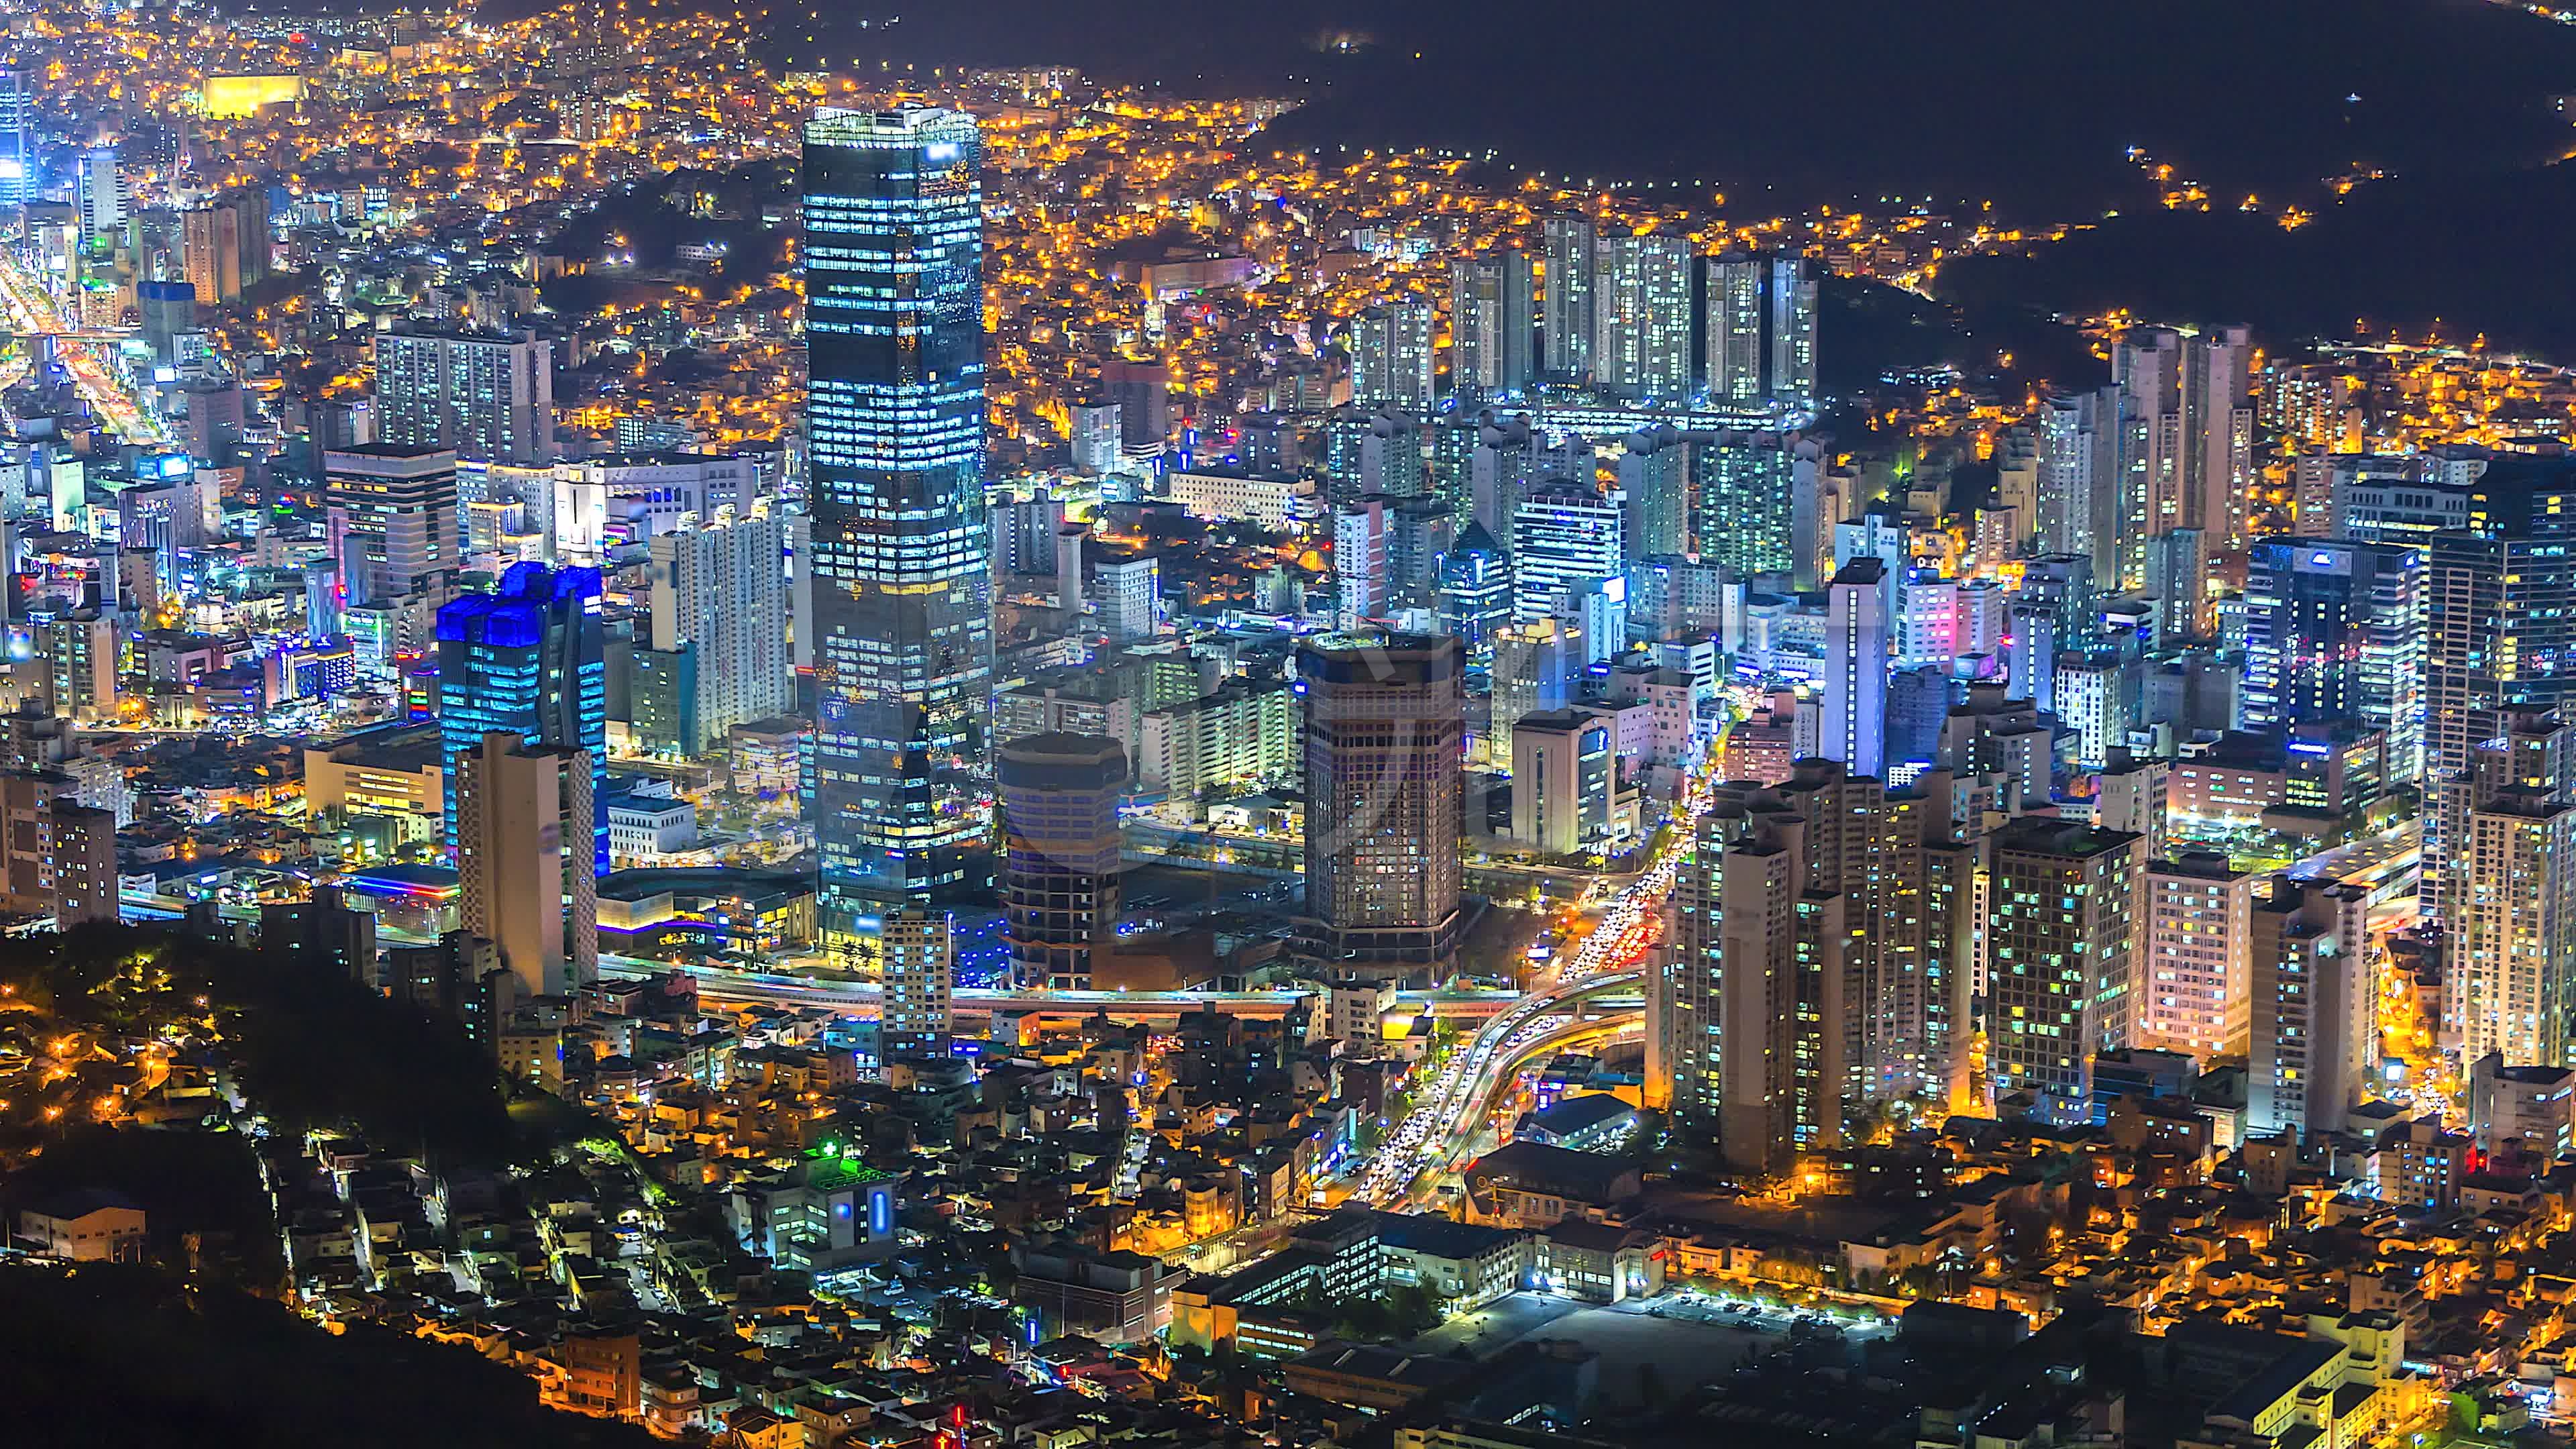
[1475,589]
[903,647]
[19,159]
[2336,630]
[528,659]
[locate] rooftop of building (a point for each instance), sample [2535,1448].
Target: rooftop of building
[2042,835]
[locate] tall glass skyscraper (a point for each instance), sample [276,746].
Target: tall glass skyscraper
[19,179]
[902,622]
[527,660]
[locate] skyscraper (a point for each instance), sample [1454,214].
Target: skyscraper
[526,660]
[1856,667]
[720,590]
[2312,1009]
[2498,592]
[1566,535]
[1385,721]
[2063,930]
[1060,855]
[1492,304]
[1565,317]
[1392,357]
[393,518]
[19,178]
[2509,977]
[522,813]
[2335,630]
[2192,989]
[902,589]
[1654,478]
[1748,489]
[1475,589]
[2218,438]
[1761,331]
[2079,477]
[103,196]
[1641,317]
[491,399]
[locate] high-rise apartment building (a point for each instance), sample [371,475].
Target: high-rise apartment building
[1060,855]
[1571,246]
[2192,986]
[1385,725]
[1492,306]
[79,653]
[392,520]
[2312,1008]
[1820,957]
[1363,579]
[1392,356]
[523,815]
[919,954]
[1655,488]
[526,660]
[2079,477]
[1752,499]
[2498,604]
[2218,474]
[491,399]
[720,590]
[2064,925]
[1761,330]
[1641,317]
[902,620]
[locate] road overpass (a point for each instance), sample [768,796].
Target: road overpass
[752,988]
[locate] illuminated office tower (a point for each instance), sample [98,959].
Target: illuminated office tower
[2335,630]
[522,812]
[1856,667]
[1641,318]
[490,398]
[920,959]
[103,196]
[1060,866]
[1571,245]
[1392,357]
[1566,536]
[1761,331]
[903,644]
[2147,372]
[393,518]
[1492,303]
[1385,720]
[2063,928]
[1475,589]
[19,181]
[720,591]
[526,660]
